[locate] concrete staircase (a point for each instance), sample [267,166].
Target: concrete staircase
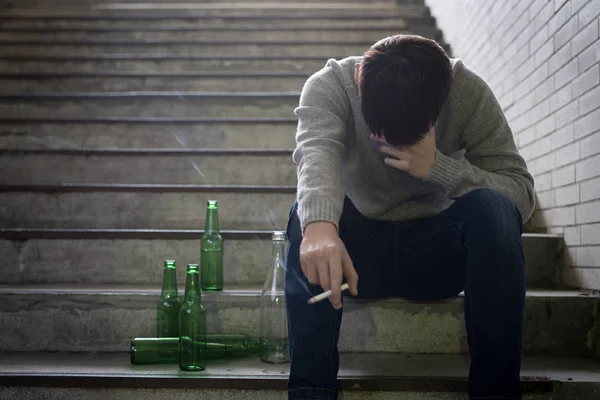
[119,120]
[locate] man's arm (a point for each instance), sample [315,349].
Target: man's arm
[323,112]
[491,160]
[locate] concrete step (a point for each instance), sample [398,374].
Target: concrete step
[96,257]
[150,104]
[219,32]
[137,81]
[103,318]
[156,5]
[268,20]
[361,377]
[112,206]
[250,48]
[169,63]
[49,134]
[296,11]
[173,166]
[159,3]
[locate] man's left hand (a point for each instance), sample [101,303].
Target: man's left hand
[417,160]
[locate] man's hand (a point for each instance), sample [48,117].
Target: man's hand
[416,160]
[324,260]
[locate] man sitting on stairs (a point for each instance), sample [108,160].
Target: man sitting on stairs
[409,185]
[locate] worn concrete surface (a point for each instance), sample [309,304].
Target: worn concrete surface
[126,83]
[352,366]
[218,34]
[297,11]
[246,261]
[156,64]
[105,210]
[556,323]
[124,261]
[541,256]
[147,135]
[192,3]
[190,22]
[25,393]
[106,322]
[52,47]
[569,376]
[175,104]
[182,169]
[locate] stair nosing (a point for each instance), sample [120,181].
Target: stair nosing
[358,372]
[157,42]
[156,74]
[135,234]
[95,29]
[245,290]
[271,377]
[145,188]
[156,57]
[147,120]
[164,234]
[224,16]
[149,94]
[91,151]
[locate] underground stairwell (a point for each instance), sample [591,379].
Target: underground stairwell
[119,120]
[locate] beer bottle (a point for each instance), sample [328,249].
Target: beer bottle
[218,346]
[273,318]
[211,249]
[192,325]
[167,310]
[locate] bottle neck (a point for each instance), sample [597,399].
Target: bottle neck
[212,221]
[192,288]
[169,286]
[278,255]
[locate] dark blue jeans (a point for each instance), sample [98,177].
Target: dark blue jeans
[475,245]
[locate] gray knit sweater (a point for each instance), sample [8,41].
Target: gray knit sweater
[335,155]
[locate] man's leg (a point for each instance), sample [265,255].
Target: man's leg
[476,245]
[314,329]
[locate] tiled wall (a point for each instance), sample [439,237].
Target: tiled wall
[542,59]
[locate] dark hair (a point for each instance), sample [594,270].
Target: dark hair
[404,81]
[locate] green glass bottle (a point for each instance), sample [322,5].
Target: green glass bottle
[218,346]
[211,249]
[192,324]
[273,317]
[167,310]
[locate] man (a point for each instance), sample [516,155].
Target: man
[409,185]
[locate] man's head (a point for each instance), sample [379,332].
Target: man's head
[403,81]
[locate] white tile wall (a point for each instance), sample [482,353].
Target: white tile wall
[542,59]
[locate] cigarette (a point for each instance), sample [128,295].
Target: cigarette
[325,295]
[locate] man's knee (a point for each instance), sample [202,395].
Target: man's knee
[492,210]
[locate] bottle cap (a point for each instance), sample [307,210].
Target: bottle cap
[192,268]
[279,235]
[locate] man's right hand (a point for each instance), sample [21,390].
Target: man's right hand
[324,260]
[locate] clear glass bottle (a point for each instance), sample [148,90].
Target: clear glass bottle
[273,317]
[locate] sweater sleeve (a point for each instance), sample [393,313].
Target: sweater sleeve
[491,159]
[322,113]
